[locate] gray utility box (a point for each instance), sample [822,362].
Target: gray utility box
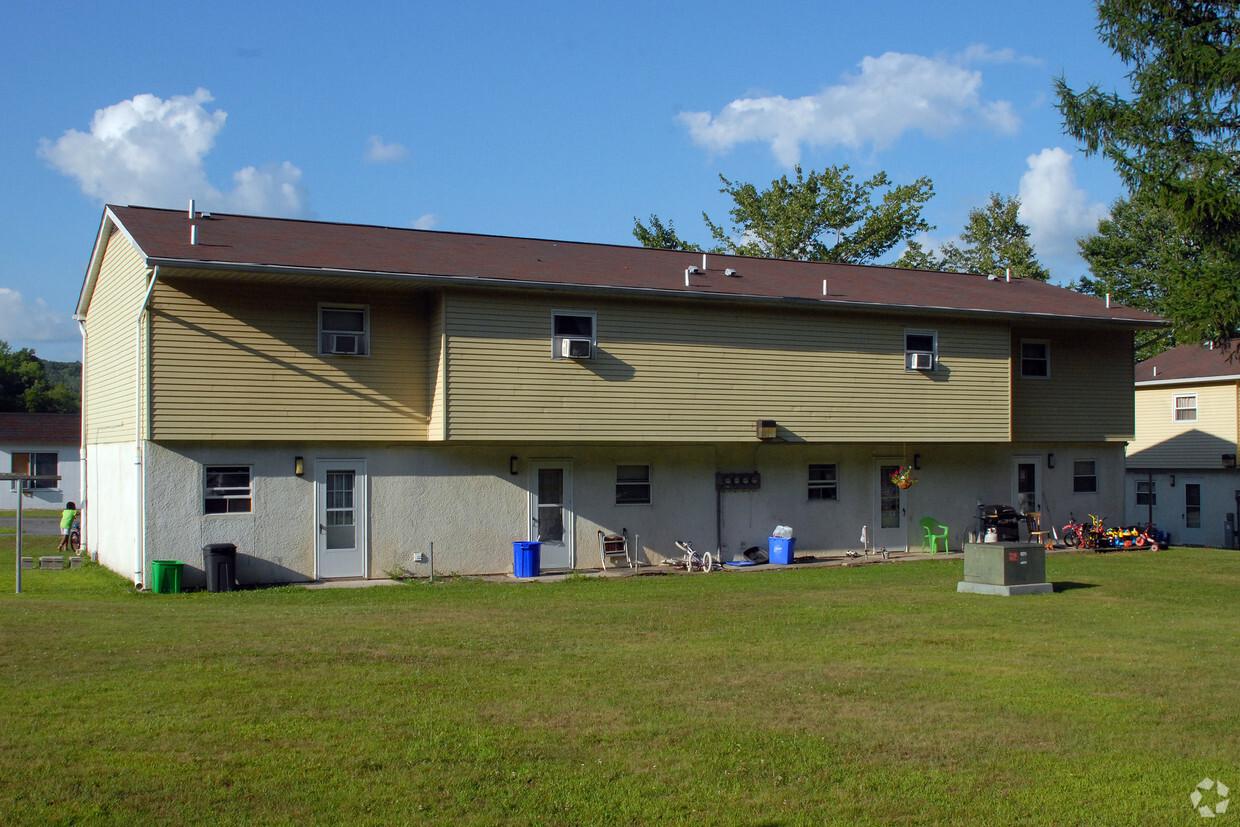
[1004,568]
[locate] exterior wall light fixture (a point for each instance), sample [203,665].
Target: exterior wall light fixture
[299,466]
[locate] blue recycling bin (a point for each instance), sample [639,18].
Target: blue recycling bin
[780,550]
[525,559]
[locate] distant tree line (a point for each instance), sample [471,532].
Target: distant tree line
[29,384]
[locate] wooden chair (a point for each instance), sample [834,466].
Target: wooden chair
[934,531]
[1033,523]
[613,547]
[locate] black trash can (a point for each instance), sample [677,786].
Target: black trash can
[220,561]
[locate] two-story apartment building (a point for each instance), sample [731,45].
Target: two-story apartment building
[1182,472]
[335,398]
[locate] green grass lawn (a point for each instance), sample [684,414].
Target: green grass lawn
[864,695]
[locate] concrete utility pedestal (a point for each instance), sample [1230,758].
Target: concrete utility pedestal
[1004,568]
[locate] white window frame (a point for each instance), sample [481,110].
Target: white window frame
[1045,359]
[363,336]
[557,337]
[1147,492]
[824,490]
[1078,475]
[933,351]
[635,485]
[1190,412]
[228,494]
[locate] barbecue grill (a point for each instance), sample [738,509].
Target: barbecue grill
[1003,519]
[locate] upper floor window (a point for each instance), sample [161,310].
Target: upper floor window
[572,336]
[822,482]
[1085,476]
[39,465]
[921,350]
[1035,359]
[1186,407]
[344,329]
[632,485]
[226,489]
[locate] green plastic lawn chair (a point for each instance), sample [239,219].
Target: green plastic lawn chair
[934,531]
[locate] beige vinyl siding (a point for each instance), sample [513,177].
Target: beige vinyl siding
[685,372]
[111,369]
[1088,395]
[1164,443]
[237,361]
[437,366]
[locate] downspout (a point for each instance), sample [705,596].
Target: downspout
[83,478]
[139,563]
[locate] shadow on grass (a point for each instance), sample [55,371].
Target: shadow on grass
[1068,585]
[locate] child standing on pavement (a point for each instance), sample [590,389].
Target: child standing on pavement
[67,518]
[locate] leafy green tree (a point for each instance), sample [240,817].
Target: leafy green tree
[994,241]
[24,387]
[1131,257]
[661,237]
[821,216]
[1176,140]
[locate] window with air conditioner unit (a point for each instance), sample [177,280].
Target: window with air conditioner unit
[920,350]
[344,330]
[573,335]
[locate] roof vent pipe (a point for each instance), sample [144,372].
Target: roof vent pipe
[824,287]
[1009,275]
[193,234]
[704,267]
[1155,371]
[1108,301]
[191,208]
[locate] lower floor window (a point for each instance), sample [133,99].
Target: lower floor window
[39,465]
[822,482]
[1146,494]
[1085,476]
[227,489]
[632,485]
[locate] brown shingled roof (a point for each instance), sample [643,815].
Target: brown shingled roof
[256,244]
[1188,362]
[40,429]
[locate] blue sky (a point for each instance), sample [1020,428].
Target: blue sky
[552,120]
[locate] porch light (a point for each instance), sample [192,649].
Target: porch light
[512,466]
[916,462]
[1229,460]
[299,466]
[767,429]
[1050,460]
[1173,480]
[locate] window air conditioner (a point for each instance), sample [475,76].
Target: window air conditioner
[343,343]
[920,360]
[576,348]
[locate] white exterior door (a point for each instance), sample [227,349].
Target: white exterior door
[1027,484]
[1191,531]
[551,513]
[340,515]
[889,528]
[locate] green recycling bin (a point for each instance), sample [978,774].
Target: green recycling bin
[166,576]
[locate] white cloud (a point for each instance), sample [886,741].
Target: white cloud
[1056,211]
[52,334]
[893,94]
[150,151]
[426,222]
[980,53]
[380,153]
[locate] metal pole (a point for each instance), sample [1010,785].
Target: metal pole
[20,494]
[432,562]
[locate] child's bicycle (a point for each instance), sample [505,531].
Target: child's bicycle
[75,537]
[692,560]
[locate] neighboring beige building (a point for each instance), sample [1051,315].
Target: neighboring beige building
[334,398]
[1182,471]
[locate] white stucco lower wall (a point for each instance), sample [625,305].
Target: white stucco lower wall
[109,507]
[466,501]
[1217,493]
